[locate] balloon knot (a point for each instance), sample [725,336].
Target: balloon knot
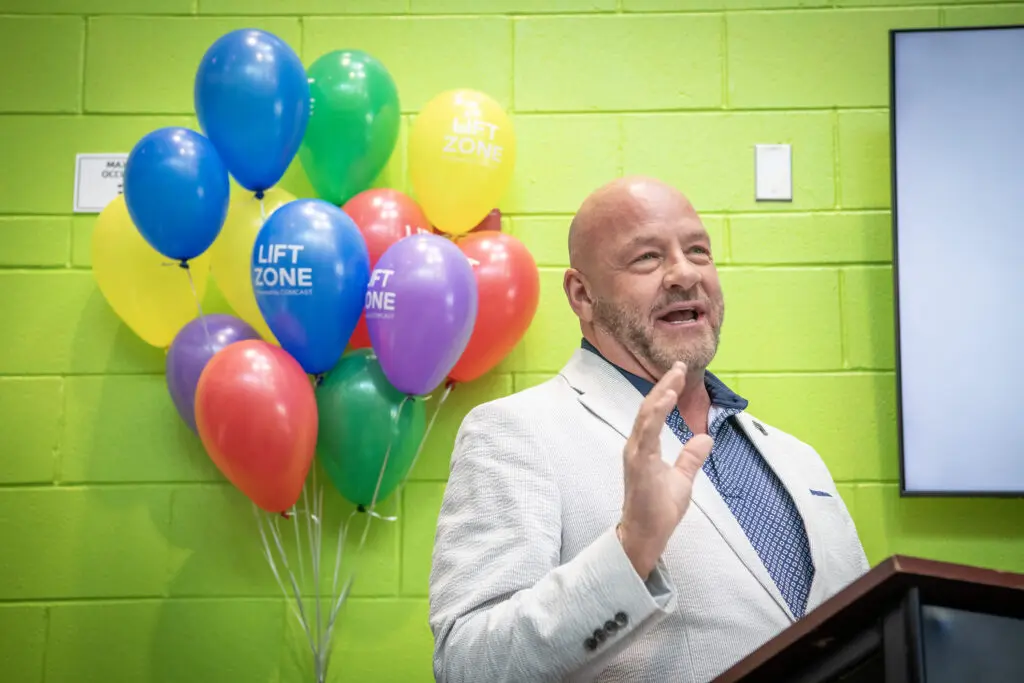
[183,263]
[259,194]
[284,513]
[318,379]
[449,383]
[361,508]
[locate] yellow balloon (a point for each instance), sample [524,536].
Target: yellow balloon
[148,291]
[462,149]
[231,254]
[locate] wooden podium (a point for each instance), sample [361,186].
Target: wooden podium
[908,620]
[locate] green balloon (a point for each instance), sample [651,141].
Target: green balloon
[353,124]
[359,420]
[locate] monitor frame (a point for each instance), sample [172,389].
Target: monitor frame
[894,182]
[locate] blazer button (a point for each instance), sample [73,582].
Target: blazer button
[590,644]
[610,627]
[621,619]
[600,635]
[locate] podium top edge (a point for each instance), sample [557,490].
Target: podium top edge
[937,569]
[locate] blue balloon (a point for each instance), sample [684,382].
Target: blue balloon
[177,191]
[252,100]
[310,273]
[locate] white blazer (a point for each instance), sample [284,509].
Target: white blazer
[526,565]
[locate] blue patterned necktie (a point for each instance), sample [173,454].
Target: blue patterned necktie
[761,505]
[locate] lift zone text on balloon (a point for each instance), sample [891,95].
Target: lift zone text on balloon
[290,274]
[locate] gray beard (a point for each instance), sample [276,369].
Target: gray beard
[633,332]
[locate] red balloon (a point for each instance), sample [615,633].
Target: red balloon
[508,290]
[383,216]
[257,417]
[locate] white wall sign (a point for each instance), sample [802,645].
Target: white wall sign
[99,178]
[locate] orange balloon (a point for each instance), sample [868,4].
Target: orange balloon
[508,291]
[257,417]
[383,216]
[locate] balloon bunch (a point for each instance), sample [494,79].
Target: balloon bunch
[380,297]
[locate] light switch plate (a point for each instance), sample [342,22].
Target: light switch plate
[773,170]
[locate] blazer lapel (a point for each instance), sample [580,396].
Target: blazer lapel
[610,396]
[714,507]
[773,450]
[603,390]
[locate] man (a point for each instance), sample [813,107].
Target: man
[577,539]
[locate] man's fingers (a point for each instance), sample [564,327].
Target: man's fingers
[656,407]
[693,455]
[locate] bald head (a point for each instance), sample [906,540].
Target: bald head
[620,205]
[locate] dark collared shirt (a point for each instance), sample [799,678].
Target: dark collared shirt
[754,494]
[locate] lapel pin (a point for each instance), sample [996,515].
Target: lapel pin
[760,427]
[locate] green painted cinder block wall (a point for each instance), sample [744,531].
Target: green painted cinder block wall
[123,554]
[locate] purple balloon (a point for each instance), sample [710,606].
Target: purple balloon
[420,309]
[192,348]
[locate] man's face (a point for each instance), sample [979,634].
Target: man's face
[655,289]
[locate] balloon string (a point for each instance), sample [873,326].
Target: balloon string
[448,387]
[263,209]
[371,513]
[275,532]
[366,529]
[300,612]
[312,519]
[318,493]
[298,545]
[199,304]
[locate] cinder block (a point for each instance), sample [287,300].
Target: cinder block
[780,319]
[425,55]
[848,492]
[302,7]
[24,642]
[83,542]
[42,241]
[984,532]
[992,15]
[509,6]
[48,82]
[227,558]
[868,319]
[165,84]
[814,58]
[168,640]
[720,249]
[560,159]
[95,440]
[555,332]
[693,5]
[547,238]
[437,451]
[618,62]
[422,504]
[374,640]
[91,7]
[810,238]
[849,418]
[59,322]
[866,3]
[710,157]
[864,160]
[30,418]
[45,147]
[81,240]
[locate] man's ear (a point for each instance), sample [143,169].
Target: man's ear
[577,291]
